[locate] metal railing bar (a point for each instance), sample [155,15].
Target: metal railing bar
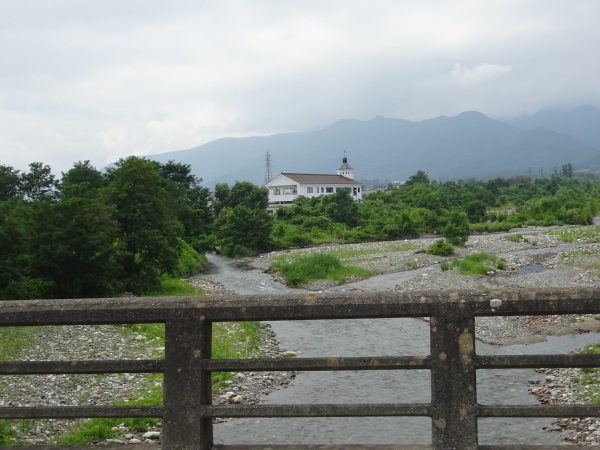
[82,447]
[323,410]
[81,367]
[318,364]
[536,361]
[566,410]
[324,447]
[75,412]
[522,447]
[344,305]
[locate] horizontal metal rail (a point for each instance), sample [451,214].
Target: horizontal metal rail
[187,411]
[81,367]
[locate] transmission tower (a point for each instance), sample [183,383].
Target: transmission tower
[268,175]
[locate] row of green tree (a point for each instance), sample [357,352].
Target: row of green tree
[451,209]
[95,233]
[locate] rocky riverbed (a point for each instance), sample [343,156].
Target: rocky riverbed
[109,342]
[401,265]
[533,257]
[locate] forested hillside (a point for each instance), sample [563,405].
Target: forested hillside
[94,234]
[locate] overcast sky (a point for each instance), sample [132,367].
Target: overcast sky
[102,79]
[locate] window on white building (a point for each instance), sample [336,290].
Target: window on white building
[329,190]
[309,190]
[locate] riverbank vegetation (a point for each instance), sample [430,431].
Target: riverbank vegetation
[475,264]
[590,376]
[98,234]
[303,269]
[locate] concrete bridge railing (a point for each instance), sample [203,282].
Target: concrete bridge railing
[187,411]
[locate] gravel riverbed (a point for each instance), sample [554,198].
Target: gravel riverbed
[537,259]
[109,342]
[556,264]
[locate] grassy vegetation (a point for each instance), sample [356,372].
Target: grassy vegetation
[440,247]
[491,227]
[596,268]
[590,376]
[7,433]
[591,234]
[476,264]
[318,266]
[174,287]
[583,257]
[13,340]
[230,340]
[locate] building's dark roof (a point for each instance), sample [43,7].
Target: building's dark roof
[319,178]
[345,165]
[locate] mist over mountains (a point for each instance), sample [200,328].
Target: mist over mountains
[470,145]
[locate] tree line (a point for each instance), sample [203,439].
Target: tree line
[95,234]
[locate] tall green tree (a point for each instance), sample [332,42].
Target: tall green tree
[189,202]
[241,193]
[38,182]
[81,178]
[73,244]
[243,231]
[243,226]
[148,232]
[341,208]
[419,177]
[10,183]
[13,232]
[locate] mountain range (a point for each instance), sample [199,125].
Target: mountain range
[469,145]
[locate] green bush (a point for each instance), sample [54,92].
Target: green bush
[478,264]
[298,240]
[6,432]
[515,238]
[440,248]
[236,251]
[27,289]
[456,228]
[317,266]
[190,261]
[489,227]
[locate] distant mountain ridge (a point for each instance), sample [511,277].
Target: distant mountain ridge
[470,145]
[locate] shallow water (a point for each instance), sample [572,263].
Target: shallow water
[530,269]
[378,338]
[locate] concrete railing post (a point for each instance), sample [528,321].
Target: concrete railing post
[187,388]
[453,382]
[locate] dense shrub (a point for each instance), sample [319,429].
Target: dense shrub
[478,264]
[190,261]
[27,289]
[490,227]
[317,266]
[440,248]
[236,251]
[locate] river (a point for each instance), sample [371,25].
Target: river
[377,337]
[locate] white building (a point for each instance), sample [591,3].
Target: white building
[287,187]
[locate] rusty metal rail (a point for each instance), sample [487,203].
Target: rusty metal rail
[187,411]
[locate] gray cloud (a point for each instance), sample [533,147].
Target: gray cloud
[102,79]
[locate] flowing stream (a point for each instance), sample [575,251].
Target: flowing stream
[377,337]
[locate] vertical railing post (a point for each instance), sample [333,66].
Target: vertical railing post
[453,379]
[187,388]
